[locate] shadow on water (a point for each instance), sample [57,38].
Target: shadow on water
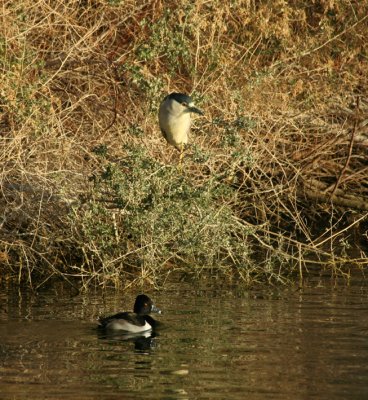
[144,341]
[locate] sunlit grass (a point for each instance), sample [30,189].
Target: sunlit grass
[276,176]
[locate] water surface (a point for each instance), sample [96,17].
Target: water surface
[216,343]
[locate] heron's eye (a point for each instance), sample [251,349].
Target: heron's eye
[185,104]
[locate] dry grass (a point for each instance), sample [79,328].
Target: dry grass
[282,151]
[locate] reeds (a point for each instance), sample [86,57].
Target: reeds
[276,180]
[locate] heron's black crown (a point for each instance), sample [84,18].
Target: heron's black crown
[180,98]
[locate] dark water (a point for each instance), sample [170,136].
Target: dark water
[216,344]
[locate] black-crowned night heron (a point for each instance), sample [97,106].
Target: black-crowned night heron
[174,119]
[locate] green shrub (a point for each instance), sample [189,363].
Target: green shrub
[148,215]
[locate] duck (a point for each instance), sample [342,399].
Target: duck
[137,321]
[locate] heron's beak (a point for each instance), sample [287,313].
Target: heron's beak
[195,110]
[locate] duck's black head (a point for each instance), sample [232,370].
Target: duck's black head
[143,305]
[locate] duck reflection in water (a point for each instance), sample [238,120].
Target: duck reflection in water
[142,341]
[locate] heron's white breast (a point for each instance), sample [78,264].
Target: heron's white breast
[175,121]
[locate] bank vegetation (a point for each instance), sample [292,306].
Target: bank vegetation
[274,185]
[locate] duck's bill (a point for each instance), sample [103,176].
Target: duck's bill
[155,309]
